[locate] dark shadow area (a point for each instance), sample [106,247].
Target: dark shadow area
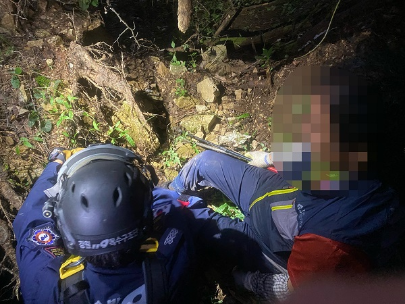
[155,21]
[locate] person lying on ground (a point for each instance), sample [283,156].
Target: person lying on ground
[320,209]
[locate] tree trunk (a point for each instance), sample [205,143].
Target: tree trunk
[183,15]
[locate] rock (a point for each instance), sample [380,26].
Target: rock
[214,58]
[49,62]
[170,174]
[201,108]
[177,69]
[41,33]
[238,94]
[35,43]
[217,53]
[185,102]
[199,134]
[198,123]
[22,95]
[212,138]
[185,151]
[7,22]
[9,141]
[142,137]
[228,106]
[162,70]
[54,40]
[233,138]
[208,90]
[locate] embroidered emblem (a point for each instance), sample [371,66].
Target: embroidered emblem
[55,251]
[172,235]
[43,236]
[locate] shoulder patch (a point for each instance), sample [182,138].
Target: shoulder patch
[55,251]
[43,236]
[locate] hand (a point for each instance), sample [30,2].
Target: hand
[260,159]
[60,155]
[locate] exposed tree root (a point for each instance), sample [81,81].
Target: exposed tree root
[104,78]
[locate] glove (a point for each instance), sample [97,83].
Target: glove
[62,154]
[260,159]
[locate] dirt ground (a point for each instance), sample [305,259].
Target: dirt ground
[368,39]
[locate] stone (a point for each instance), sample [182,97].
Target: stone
[170,174]
[201,108]
[162,70]
[198,123]
[54,40]
[213,59]
[238,94]
[228,106]
[185,151]
[35,43]
[22,94]
[233,138]
[9,141]
[49,62]
[7,22]
[185,102]
[208,90]
[41,33]
[177,69]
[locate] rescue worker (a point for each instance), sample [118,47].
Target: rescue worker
[88,242]
[319,209]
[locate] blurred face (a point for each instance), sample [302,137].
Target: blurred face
[307,141]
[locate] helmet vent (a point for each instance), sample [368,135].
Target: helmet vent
[128,178]
[84,201]
[117,197]
[73,187]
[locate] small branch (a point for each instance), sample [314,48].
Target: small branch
[327,30]
[133,35]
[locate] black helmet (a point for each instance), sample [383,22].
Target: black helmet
[104,201]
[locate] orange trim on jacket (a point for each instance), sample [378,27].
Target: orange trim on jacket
[313,256]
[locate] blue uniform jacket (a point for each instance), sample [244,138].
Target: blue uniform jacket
[40,250]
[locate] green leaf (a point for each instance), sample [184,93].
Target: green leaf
[18,71]
[26,142]
[84,4]
[65,134]
[71,98]
[130,140]
[37,138]
[173,44]
[95,125]
[47,126]
[70,115]
[244,115]
[15,82]
[32,118]
[60,120]
[42,81]
[94,3]
[17,150]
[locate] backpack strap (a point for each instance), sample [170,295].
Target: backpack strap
[156,285]
[73,287]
